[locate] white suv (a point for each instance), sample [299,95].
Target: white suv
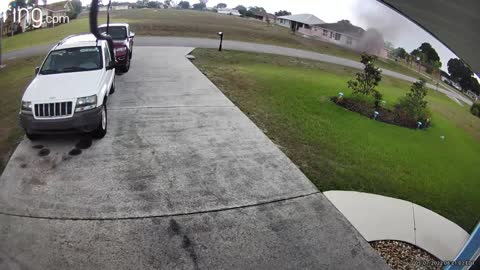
[70,90]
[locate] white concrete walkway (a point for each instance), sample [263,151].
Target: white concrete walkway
[383,218]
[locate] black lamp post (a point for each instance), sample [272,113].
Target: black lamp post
[221,41]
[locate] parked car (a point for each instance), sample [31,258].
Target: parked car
[70,89]
[123,42]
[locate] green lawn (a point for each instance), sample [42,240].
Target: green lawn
[341,150]
[13,80]
[50,35]
[189,23]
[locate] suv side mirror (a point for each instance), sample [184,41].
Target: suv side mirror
[111,65]
[132,34]
[37,69]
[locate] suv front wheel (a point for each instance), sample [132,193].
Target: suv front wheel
[31,137]
[101,130]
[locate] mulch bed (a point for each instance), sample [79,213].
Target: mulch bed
[405,256]
[384,115]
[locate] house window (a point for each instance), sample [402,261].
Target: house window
[306,26]
[332,34]
[337,36]
[325,32]
[349,41]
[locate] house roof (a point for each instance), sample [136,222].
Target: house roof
[345,27]
[264,14]
[58,6]
[303,18]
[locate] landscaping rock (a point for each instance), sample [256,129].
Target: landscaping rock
[405,256]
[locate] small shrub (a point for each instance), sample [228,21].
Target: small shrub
[475,109]
[367,80]
[413,108]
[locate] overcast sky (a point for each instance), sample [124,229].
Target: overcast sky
[364,13]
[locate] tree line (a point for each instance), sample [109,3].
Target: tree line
[427,56]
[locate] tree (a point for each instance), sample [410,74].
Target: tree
[256,9]
[418,56]
[436,68]
[430,53]
[241,9]
[282,13]
[32,3]
[184,4]
[460,73]
[77,6]
[221,5]
[414,104]
[199,6]
[367,80]
[153,4]
[400,53]
[474,85]
[17,4]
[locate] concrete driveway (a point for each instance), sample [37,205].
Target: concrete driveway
[183,180]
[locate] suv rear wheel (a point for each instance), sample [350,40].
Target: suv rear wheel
[126,67]
[101,130]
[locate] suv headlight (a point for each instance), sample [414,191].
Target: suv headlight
[86,103]
[26,107]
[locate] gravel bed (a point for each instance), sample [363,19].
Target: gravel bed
[404,256]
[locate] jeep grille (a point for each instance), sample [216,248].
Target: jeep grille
[53,110]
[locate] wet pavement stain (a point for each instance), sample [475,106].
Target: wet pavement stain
[189,248]
[139,186]
[37,182]
[174,227]
[75,152]
[38,146]
[84,143]
[44,152]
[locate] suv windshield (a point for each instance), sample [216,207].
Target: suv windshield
[116,32]
[72,60]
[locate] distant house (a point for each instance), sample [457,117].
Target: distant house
[57,11]
[301,22]
[342,33]
[115,6]
[264,16]
[229,11]
[445,77]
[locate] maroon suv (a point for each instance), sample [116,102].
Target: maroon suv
[123,42]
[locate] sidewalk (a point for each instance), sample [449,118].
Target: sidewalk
[382,218]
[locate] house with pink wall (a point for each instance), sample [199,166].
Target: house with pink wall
[342,33]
